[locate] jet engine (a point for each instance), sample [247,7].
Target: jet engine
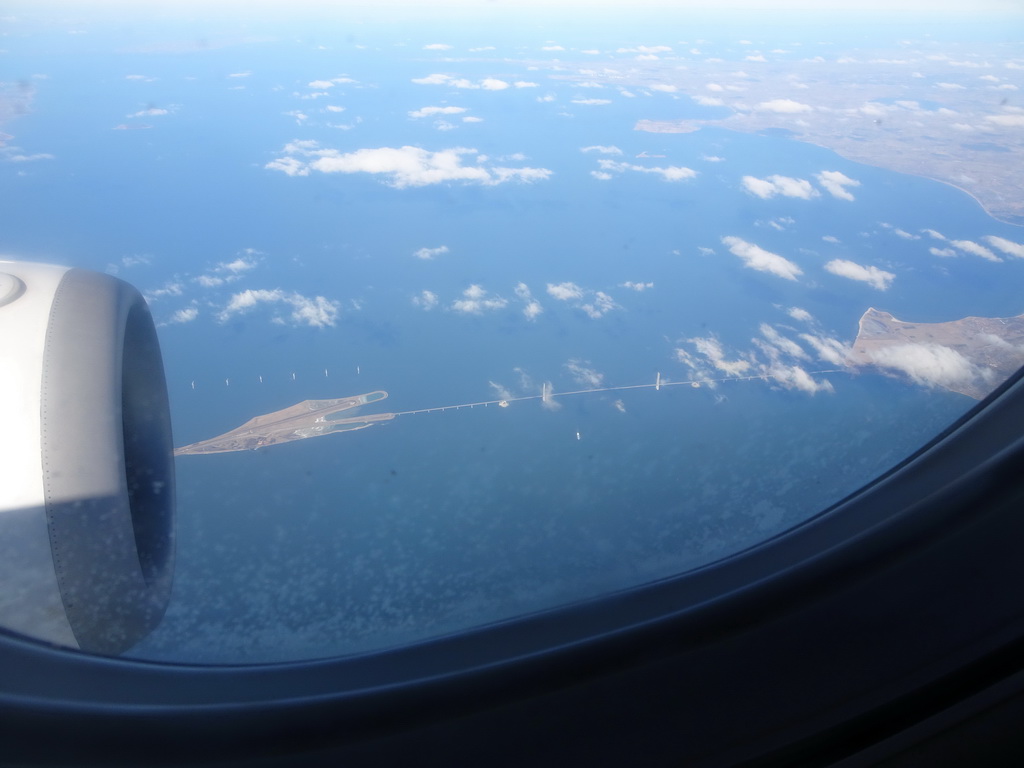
[87,491]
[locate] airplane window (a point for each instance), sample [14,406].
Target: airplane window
[590,303]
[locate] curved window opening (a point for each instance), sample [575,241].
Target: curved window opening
[592,305]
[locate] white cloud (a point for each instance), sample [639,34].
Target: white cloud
[975,249]
[151,112]
[501,392]
[525,84]
[333,108]
[1007,121]
[668,173]
[931,365]
[600,306]
[1006,246]
[600,303]
[800,314]
[403,166]
[320,84]
[552,48]
[427,300]
[779,185]
[237,266]
[169,289]
[711,349]
[646,49]
[248,299]
[795,377]
[604,150]
[933,234]
[315,312]
[950,86]
[290,165]
[136,259]
[186,315]
[437,47]
[873,276]
[471,119]
[532,309]
[708,101]
[565,291]
[664,88]
[828,349]
[437,79]
[547,401]
[487,84]
[21,158]
[429,253]
[946,253]
[835,183]
[904,234]
[758,258]
[636,286]
[583,374]
[476,300]
[830,238]
[776,345]
[592,102]
[431,111]
[784,106]
[601,175]
[779,223]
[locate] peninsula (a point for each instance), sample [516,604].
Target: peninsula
[971,356]
[310,418]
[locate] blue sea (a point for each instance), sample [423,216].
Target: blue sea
[434,522]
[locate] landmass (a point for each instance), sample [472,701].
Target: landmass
[971,356]
[310,418]
[945,113]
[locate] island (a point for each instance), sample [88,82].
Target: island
[971,356]
[310,418]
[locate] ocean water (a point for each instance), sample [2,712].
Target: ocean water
[434,522]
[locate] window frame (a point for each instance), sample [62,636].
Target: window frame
[872,616]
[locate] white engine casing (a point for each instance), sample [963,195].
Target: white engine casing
[87,490]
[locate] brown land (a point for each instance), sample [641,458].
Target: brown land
[310,418]
[988,350]
[950,113]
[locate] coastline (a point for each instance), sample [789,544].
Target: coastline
[691,126]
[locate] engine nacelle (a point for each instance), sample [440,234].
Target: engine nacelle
[86,466]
